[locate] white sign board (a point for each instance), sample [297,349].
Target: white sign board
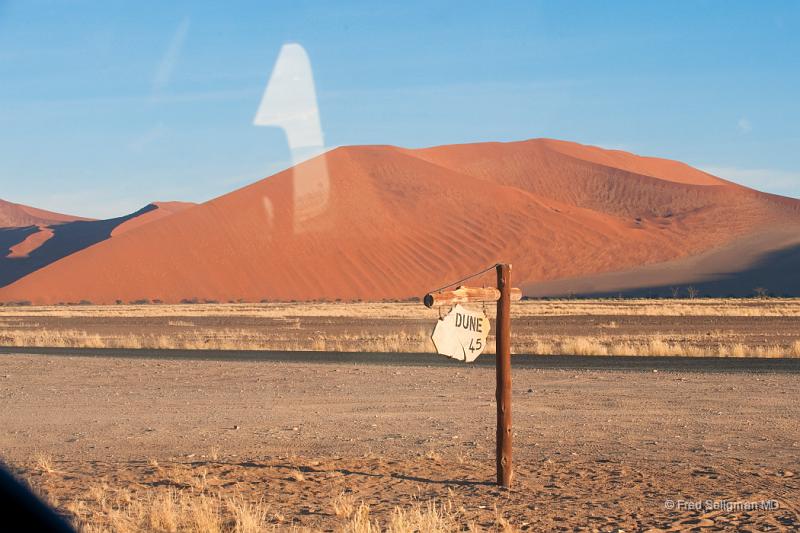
[461,334]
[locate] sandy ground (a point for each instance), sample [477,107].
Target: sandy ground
[602,449]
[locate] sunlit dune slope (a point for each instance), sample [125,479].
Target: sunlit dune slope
[161,210]
[398,222]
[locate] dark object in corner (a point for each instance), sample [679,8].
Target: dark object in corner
[22,510]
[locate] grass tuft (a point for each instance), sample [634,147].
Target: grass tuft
[343,505]
[43,463]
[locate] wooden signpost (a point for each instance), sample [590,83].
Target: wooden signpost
[449,343]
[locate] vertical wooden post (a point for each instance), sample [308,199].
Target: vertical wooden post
[503,391]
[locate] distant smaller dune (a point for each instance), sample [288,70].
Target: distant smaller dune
[19,216]
[31,247]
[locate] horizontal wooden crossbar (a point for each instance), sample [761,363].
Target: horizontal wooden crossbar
[468,295]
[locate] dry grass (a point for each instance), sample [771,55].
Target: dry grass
[247,516]
[296,327]
[223,339]
[181,323]
[296,475]
[405,341]
[43,463]
[433,455]
[428,517]
[214,454]
[169,510]
[788,307]
[197,506]
[648,345]
[502,524]
[745,307]
[431,516]
[344,505]
[102,509]
[360,522]
[285,311]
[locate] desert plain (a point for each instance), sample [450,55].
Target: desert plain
[629,415]
[211,320]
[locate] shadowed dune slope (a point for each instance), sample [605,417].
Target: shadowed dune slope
[32,241]
[18,215]
[27,249]
[398,222]
[767,261]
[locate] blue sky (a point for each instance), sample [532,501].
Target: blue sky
[105,106]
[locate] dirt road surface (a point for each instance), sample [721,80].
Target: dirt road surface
[595,447]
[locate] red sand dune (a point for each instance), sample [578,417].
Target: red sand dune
[655,167]
[18,215]
[163,209]
[399,222]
